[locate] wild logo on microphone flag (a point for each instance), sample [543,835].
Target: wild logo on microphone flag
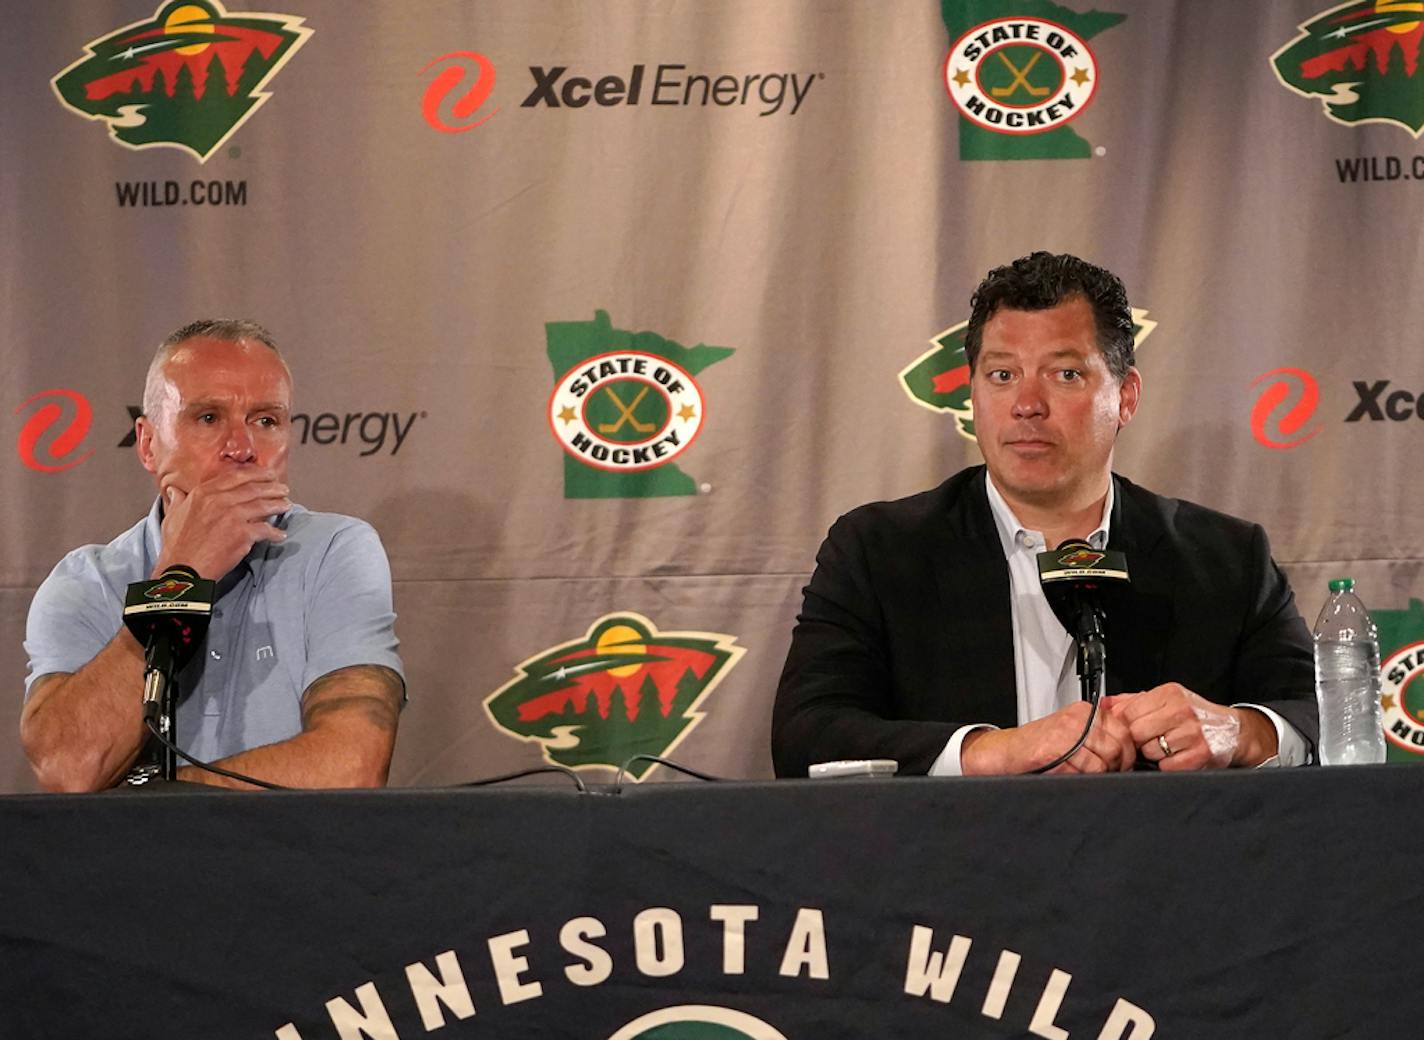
[170,589]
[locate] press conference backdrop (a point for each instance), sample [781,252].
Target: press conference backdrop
[602,312]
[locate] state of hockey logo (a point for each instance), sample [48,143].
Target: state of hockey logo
[625,408]
[1020,75]
[626,411]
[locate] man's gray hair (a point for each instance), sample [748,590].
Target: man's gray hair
[227,330]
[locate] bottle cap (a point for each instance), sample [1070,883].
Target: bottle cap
[1341,584]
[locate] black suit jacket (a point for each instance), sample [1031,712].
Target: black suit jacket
[905,633]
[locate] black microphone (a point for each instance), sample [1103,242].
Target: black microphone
[1078,582]
[169,616]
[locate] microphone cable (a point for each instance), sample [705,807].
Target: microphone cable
[669,763]
[486,782]
[1095,696]
[219,770]
[503,777]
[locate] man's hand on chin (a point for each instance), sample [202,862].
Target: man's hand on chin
[212,526]
[1180,730]
[1022,749]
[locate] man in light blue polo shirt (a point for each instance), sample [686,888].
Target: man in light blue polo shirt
[299,682]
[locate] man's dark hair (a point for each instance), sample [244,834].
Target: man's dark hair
[1042,280]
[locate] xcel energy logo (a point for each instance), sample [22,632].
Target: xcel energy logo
[54,430]
[1289,398]
[459,95]
[1286,401]
[453,103]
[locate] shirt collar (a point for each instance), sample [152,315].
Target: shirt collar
[1014,535]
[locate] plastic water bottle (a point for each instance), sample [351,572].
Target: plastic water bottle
[1347,680]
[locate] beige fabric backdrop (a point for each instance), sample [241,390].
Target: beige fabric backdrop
[424,276]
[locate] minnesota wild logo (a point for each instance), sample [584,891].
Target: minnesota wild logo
[1361,59]
[170,589]
[697,1022]
[939,378]
[1082,558]
[187,78]
[624,689]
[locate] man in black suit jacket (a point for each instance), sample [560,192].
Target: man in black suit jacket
[918,637]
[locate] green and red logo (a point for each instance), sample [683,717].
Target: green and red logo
[1019,73]
[939,378]
[624,406]
[698,1022]
[1401,634]
[1082,558]
[624,689]
[171,589]
[1361,59]
[187,78]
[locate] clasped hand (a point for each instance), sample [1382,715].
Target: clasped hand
[212,526]
[1168,725]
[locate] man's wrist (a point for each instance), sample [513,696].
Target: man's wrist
[1257,741]
[164,563]
[978,756]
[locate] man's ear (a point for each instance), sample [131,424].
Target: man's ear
[1129,393]
[143,443]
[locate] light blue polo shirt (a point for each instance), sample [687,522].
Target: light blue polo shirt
[285,616]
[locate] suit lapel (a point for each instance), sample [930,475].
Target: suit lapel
[1136,621]
[973,579]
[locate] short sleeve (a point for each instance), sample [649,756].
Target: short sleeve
[73,616]
[350,619]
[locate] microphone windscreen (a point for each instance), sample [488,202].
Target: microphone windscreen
[175,607]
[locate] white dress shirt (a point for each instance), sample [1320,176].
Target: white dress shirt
[1045,672]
